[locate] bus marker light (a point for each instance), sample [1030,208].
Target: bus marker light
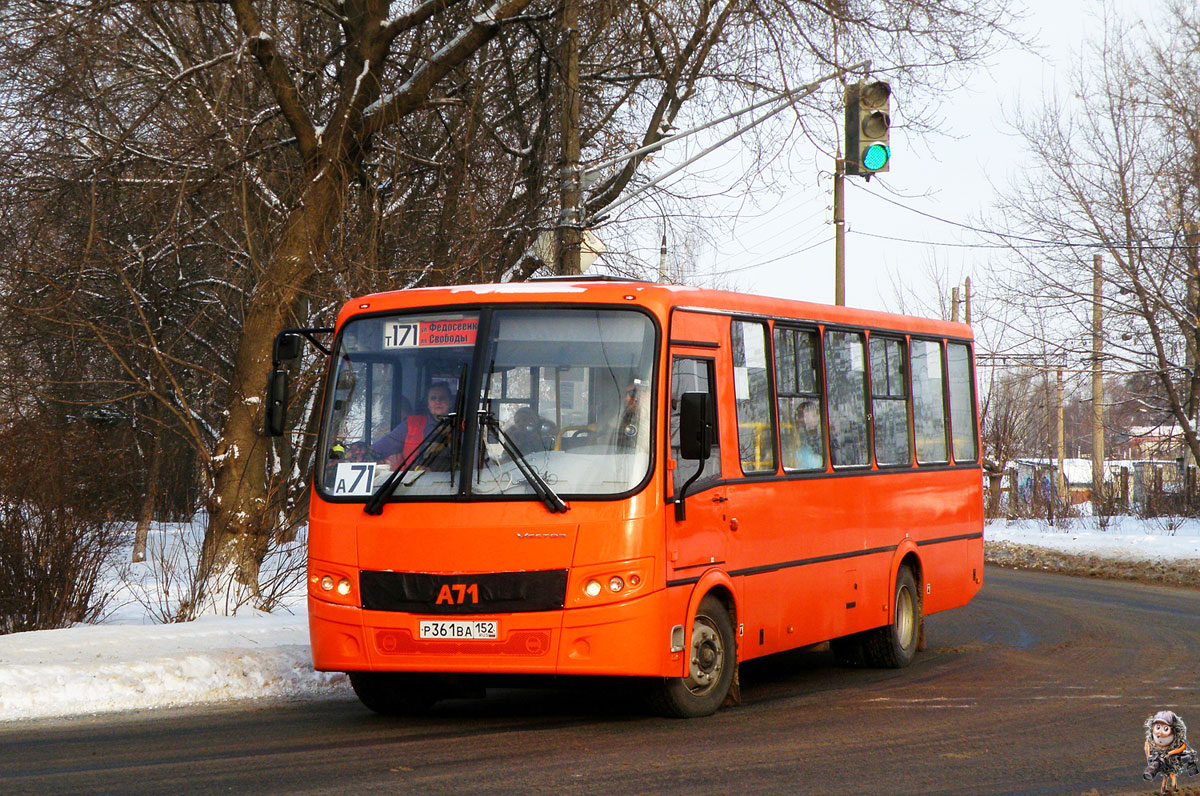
[327,583]
[592,588]
[343,587]
[615,584]
[634,580]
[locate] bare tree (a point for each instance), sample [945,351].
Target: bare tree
[1116,171]
[192,177]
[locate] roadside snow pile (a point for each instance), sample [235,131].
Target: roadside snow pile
[100,668]
[133,661]
[1127,538]
[1161,550]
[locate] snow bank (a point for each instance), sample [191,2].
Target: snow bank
[100,668]
[1123,538]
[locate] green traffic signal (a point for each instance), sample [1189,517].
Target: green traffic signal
[868,127]
[875,157]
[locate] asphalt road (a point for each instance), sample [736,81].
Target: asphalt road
[1040,686]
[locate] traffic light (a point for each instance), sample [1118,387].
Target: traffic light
[868,121]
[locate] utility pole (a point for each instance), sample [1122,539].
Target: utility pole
[569,232]
[1097,387]
[1061,475]
[839,232]
[1192,407]
[662,256]
[954,304]
[967,290]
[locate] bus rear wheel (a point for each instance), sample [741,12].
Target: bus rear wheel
[894,646]
[711,670]
[395,693]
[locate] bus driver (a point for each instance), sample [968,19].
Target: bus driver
[399,443]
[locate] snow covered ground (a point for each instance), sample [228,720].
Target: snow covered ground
[128,661]
[1123,538]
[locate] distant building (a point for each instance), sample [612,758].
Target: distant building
[1161,442]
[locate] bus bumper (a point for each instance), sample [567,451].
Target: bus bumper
[630,638]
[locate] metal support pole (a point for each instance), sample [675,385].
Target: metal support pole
[839,232]
[1060,476]
[1097,388]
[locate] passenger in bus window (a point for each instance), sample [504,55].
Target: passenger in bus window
[401,441]
[810,454]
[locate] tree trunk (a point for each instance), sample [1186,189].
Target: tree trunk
[153,488]
[240,522]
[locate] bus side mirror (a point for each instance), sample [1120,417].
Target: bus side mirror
[287,347]
[695,425]
[277,400]
[697,431]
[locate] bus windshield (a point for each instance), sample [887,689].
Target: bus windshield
[563,404]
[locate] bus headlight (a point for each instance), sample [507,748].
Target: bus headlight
[332,583]
[615,581]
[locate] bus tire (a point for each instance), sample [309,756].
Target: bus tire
[394,693]
[712,669]
[893,646]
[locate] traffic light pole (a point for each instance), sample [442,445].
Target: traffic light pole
[839,232]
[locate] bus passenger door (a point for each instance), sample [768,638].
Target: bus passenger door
[701,539]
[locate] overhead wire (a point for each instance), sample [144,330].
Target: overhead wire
[1029,242]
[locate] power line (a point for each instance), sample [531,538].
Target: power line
[1030,243]
[772,260]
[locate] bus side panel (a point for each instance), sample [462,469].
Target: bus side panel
[800,543]
[954,568]
[819,554]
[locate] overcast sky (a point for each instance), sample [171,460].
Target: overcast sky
[786,248]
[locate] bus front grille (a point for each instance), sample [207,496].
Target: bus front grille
[486,593]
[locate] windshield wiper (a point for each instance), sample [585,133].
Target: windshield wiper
[548,496]
[374,504]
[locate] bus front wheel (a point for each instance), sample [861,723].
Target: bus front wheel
[894,646]
[711,670]
[393,693]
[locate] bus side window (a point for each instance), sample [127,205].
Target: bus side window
[962,407]
[929,408]
[752,396]
[846,382]
[889,401]
[801,435]
[692,375]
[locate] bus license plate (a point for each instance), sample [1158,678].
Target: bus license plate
[458,629]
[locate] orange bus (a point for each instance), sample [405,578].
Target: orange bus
[608,477]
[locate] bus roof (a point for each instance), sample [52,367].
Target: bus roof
[659,298]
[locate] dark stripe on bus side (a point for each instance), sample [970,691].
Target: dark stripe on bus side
[697,566]
[695,343]
[958,538]
[764,568]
